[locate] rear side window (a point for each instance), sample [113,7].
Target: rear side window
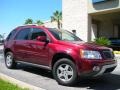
[23,34]
[10,36]
[37,32]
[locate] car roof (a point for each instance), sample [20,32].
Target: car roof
[30,26]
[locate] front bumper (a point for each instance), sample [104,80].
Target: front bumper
[94,68]
[106,69]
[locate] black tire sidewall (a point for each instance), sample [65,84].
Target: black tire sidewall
[69,62]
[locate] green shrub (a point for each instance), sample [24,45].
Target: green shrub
[102,41]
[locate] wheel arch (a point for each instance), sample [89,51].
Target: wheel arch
[7,50]
[58,56]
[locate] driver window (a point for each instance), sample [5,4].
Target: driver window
[37,32]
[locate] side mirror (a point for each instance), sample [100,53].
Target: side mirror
[41,38]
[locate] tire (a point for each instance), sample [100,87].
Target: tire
[9,60]
[65,72]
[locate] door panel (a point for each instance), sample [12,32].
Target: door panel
[20,47]
[20,44]
[38,53]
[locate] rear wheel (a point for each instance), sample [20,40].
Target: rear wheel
[64,71]
[9,60]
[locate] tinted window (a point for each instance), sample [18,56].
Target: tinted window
[23,34]
[11,35]
[37,32]
[55,33]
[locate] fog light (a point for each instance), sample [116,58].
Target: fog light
[96,68]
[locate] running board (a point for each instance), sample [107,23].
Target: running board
[36,65]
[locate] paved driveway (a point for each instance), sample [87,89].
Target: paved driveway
[43,78]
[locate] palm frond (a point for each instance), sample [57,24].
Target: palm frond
[53,18]
[28,21]
[57,16]
[39,22]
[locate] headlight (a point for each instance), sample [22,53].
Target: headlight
[89,54]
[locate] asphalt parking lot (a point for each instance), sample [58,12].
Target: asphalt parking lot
[43,78]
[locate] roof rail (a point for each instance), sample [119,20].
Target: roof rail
[30,25]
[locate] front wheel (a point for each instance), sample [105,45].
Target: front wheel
[65,72]
[9,60]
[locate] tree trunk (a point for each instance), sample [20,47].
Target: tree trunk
[58,24]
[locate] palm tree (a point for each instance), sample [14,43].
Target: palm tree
[57,16]
[29,21]
[39,22]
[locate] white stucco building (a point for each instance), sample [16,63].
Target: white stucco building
[50,24]
[92,18]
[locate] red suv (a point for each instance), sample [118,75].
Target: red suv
[60,51]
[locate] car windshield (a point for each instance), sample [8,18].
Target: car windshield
[63,35]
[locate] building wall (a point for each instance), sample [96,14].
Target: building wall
[75,17]
[78,15]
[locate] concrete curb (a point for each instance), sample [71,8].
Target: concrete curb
[19,83]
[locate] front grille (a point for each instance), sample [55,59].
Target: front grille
[107,54]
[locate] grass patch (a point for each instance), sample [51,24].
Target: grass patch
[4,85]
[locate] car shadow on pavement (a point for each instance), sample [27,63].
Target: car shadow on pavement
[106,82]
[35,70]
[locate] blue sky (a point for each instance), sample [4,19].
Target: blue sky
[14,12]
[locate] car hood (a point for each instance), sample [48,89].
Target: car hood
[82,44]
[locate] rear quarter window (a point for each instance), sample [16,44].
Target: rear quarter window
[11,35]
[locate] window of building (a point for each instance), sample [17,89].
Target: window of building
[97,1]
